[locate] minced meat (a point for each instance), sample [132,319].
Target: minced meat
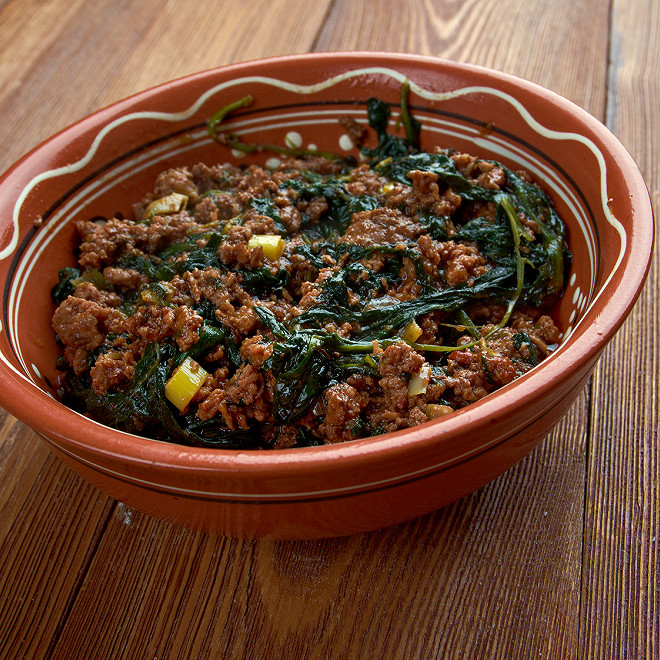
[324,301]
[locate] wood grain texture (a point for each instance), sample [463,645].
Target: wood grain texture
[547,44]
[558,558]
[46,549]
[622,540]
[105,50]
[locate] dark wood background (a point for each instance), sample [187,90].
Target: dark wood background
[558,558]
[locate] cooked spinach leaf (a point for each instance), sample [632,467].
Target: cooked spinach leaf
[65,285]
[378,322]
[391,146]
[266,206]
[363,292]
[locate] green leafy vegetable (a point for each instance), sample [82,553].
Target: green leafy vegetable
[65,285]
[514,228]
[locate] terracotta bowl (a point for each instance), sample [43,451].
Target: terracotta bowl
[103,163]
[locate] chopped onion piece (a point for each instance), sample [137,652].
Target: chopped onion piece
[172,203]
[272,246]
[411,333]
[435,410]
[420,381]
[184,383]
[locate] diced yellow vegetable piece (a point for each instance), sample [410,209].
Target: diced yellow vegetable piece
[435,410]
[388,188]
[184,383]
[420,381]
[411,333]
[273,246]
[172,203]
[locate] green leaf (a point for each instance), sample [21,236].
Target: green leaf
[65,286]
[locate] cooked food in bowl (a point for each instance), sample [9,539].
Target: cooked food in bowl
[323,300]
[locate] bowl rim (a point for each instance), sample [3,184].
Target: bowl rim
[61,425]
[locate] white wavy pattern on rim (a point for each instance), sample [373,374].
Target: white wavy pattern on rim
[310,89]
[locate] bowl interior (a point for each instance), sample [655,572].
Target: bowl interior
[105,163]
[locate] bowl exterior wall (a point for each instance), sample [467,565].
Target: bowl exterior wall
[349,511]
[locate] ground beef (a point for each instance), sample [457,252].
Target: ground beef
[399,359]
[364,181]
[87,291]
[255,351]
[343,407]
[483,173]
[111,370]
[124,278]
[186,325]
[285,334]
[163,230]
[228,206]
[176,180]
[425,195]
[311,163]
[409,288]
[207,211]
[245,397]
[213,177]
[81,323]
[152,323]
[103,243]
[466,376]
[356,132]
[381,226]
[461,262]
[314,209]
[291,218]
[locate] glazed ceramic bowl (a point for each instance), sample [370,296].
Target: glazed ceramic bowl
[103,163]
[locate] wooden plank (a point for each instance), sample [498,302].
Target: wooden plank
[621,585]
[63,79]
[96,59]
[28,28]
[231,33]
[47,543]
[22,458]
[545,43]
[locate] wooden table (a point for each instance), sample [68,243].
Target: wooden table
[558,558]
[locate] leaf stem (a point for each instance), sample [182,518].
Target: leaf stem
[410,125]
[219,116]
[233,142]
[514,221]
